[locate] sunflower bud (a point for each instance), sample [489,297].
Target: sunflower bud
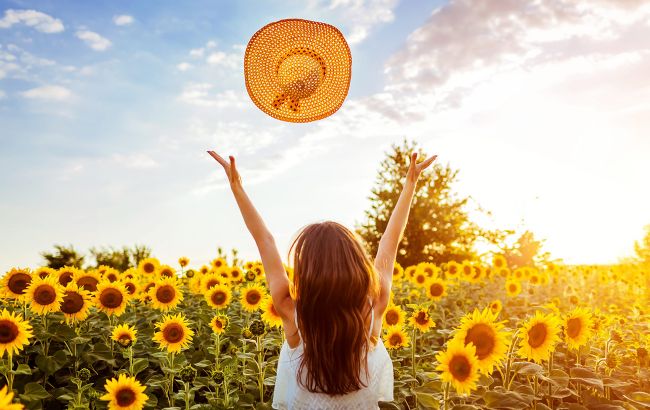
[187,374]
[190,273]
[250,276]
[246,334]
[84,374]
[257,328]
[615,336]
[218,377]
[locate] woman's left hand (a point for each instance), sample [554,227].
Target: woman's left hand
[230,168]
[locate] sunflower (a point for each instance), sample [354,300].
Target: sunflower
[125,335]
[394,316]
[111,274]
[174,333]
[420,278]
[66,274]
[436,288]
[218,297]
[249,265]
[43,272]
[209,280]
[396,337]
[125,393]
[131,273]
[482,330]
[165,294]
[540,333]
[398,272]
[87,280]
[166,271]
[421,320]
[204,269]
[466,270]
[513,287]
[45,295]
[252,297]
[15,282]
[218,263]
[236,274]
[259,270]
[429,269]
[76,303]
[148,266]
[478,273]
[409,272]
[131,286]
[496,306]
[499,261]
[6,399]
[452,269]
[578,327]
[111,298]
[195,284]
[270,315]
[459,365]
[219,323]
[145,288]
[14,333]
[183,261]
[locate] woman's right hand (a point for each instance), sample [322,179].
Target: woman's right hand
[415,168]
[230,168]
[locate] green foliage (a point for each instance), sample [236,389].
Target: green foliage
[63,256]
[642,248]
[525,252]
[439,227]
[121,259]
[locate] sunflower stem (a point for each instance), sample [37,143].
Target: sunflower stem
[260,364]
[171,379]
[187,395]
[131,361]
[445,397]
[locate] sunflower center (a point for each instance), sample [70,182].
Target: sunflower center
[513,287]
[420,278]
[253,297]
[218,298]
[395,340]
[111,277]
[44,295]
[72,303]
[235,274]
[18,282]
[148,268]
[111,298]
[88,282]
[422,318]
[218,324]
[130,287]
[8,331]
[125,397]
[537,335]
[165,294]
[483,338]
[436,289]
[459,367]
[65,278]
[173,333]
[574,326]
[212,283]
[392,317]
[166,272]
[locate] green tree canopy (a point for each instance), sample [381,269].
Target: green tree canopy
[63,256]
[642,248]
[121,259]
[439,228]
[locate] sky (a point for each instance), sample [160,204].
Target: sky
[107,109]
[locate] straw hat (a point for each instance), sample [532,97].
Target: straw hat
[298,70]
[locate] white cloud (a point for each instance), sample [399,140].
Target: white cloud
[183,66]
[2,94]
[48,92]
[93,40]
[123,20]
[32,18]
[197,52]
[200,94]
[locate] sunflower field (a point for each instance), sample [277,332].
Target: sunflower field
[461,335]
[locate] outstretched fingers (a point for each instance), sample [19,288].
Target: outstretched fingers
[425,164]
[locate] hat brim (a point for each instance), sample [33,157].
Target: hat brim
[273,41]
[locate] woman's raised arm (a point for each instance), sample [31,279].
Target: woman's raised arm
[387,250]
[276,276]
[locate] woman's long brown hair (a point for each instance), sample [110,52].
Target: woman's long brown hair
[333,279]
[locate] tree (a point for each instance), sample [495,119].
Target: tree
[63,256]
[525,252]
[642,248]
[439,229]
[120,259]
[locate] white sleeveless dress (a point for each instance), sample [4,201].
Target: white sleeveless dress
[290,395]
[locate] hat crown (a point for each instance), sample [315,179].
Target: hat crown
[300,71]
